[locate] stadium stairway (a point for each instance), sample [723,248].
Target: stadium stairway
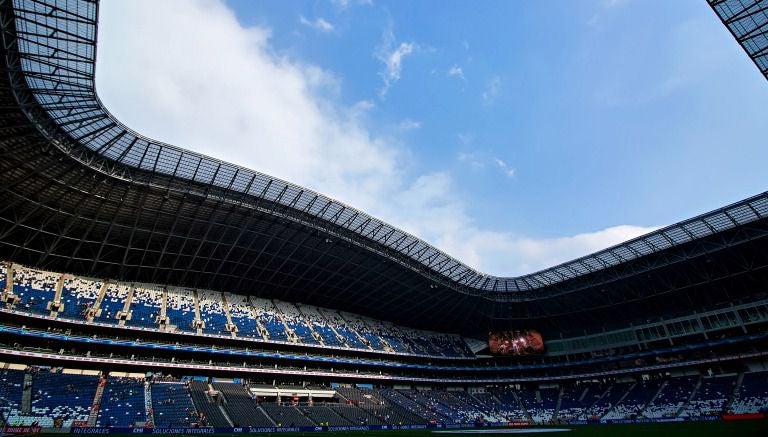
[655,395]
[225,306]
[240,407]
[127,306]
[619,401]
[198,318]
[559,402]
[204,404]
[26,395]
[96,404]
[690,397]
[292,337]
[735,392]
[57,295]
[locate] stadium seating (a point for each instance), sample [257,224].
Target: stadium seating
[635,400]
[11,384]
[180,309]
[752,396]
[711,397]
[172,405]
[122,402]
[294,319]
[212,313]
[35,289]
[280,321]
[672,397]
[209,409]
[145,307]
[242,317]
[509,404]
[78,295]
[240,407]
[607,400]
[112,303]
[576,399]
[270,319]
[284,415]
[59,395]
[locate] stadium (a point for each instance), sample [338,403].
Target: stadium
[150,289]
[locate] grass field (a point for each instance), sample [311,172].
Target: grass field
[697,429]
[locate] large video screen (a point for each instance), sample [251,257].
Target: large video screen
[516,343]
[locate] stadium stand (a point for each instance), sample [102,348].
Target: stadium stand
[122,403]
[672,397]
[240,407]
[711,397]
[146,307]
[112,303]
[180,309]
[752,395]
[286,415]
[635,400]
[172,405]
[208,406]
[286,308]
[57,397]
[35,289]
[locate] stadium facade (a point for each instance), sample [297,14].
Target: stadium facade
[212,269]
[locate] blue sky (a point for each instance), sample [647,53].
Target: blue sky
[513,135]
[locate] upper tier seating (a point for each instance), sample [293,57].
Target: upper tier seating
[113,302]
[122,402]
[180,309]
[752,396]
[78,295]
[35,289]
[146,306]
[172,405]
[3,275]
[253,317]
[296,322]
[241,313]
[212,313]
[269,317]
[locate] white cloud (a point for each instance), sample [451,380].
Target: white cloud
[250,105]
[508,171]
[319,23]
[492,90]
[344,4]
[392,56]
[456,71]
[409,124]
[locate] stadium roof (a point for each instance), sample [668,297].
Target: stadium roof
[748,22]
[111,202]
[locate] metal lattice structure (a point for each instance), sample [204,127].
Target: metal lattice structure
[748,22]
[86,194]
